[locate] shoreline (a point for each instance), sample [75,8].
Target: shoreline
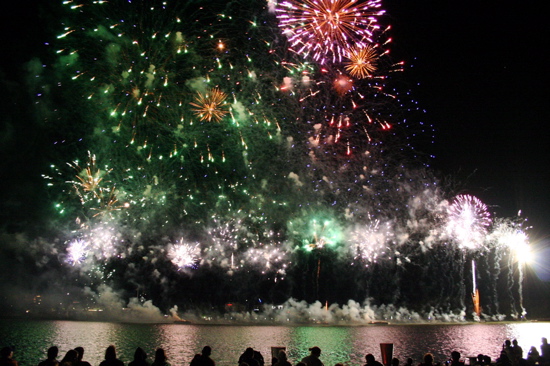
[224,322]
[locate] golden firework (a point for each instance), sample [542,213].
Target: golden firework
[362,62]
[88,179]
[210,106]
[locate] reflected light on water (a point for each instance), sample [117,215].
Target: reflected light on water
[346,344]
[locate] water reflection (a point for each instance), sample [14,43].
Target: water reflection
[339,344]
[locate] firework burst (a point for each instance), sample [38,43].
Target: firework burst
[468,221]
[88,179]
[362,62]
[370,242]
[210,106]
[184,255]
[77,251]
[327,28]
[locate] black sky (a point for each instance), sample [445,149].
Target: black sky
[482,77]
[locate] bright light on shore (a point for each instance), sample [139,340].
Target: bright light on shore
[521,248]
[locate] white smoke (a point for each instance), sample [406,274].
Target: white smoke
[109,305]
[296,178]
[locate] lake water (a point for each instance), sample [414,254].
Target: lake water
[346,344]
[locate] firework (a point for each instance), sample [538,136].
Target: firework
[88,180]
[77,251]
[318,232]
[370,242]
[362,62]
[210,106]
[468,221]
[184,255]
[327,28]
[275,167]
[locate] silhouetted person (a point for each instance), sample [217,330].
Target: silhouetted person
[371,361]
[80,356]
[409,362]
[70,358]
[394,361]
[6,355]
[516,349]
[160,358]
[140,358]
[533,355]
[282,359]
[479,360]
[52,353]
[545,350]
[516,353]
[110,358]
[203,359]
[427,360]
[248,358]
[507,347]
[313,358]
[455,359]
[503,359]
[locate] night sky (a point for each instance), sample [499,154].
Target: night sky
[482,79]
[477,68]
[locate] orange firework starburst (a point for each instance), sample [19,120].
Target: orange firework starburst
[362,62]
[210,106]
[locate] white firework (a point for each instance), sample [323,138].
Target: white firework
[468,221]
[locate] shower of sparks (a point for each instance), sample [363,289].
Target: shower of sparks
[210,106]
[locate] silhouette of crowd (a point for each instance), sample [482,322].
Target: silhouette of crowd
[511,355]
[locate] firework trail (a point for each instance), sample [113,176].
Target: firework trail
[468,223]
